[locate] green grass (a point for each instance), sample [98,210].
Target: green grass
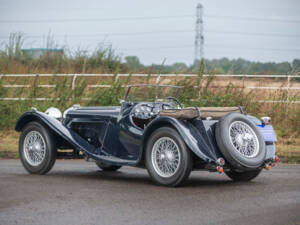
[286,117]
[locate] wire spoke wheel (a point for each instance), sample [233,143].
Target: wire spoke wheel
[240,142]
[244,139]
[37,148]
[34,148]
[165,157]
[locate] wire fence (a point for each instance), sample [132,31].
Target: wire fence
[286,82]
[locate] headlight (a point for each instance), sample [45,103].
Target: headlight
[54,112]
[266,120]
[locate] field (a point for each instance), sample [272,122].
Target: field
[278,98]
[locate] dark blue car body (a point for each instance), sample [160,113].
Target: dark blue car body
[108,134]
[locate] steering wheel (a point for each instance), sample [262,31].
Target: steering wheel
[175,100]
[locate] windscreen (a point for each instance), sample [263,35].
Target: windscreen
[151,93]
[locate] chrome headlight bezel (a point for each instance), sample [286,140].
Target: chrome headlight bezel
[54,112]
[266,120]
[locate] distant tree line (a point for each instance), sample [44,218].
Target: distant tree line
[218,66]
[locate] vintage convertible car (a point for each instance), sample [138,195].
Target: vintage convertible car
[158,134]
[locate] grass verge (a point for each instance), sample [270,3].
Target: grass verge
[288,150]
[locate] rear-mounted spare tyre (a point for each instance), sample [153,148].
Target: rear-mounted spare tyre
[240,141]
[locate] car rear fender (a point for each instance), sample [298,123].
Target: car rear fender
[190,134]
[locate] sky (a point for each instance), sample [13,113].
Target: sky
[158,30]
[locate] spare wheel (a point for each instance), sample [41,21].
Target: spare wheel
[240,141]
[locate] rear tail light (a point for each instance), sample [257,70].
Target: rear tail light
[221,161]
[276,158]
[267,166]
[220,169]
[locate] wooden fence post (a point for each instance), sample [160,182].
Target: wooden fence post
[34,85]
[157,79]
[73,81]
[117,78]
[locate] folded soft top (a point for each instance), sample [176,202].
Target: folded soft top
[201,112]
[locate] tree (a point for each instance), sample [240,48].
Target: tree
[132,62]
[296,66]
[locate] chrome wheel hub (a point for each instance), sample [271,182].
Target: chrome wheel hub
[165,157]
[244,139]
[34,148]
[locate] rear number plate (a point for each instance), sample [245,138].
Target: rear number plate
[267,132]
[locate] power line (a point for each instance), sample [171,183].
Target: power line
[255,48]
[217,47]
[256,19]
[164,32]
[95,19]
[253,19]
[254,34]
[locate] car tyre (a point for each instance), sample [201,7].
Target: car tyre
[37,148]
[107,167]
[242,176]
[229,137]
[168,166]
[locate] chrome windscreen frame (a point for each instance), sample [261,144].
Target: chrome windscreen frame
[129,87]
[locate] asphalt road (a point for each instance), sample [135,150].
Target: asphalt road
[76,192]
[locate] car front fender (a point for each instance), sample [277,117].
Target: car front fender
[56,127]
[193,138]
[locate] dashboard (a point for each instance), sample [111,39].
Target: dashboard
[143,113]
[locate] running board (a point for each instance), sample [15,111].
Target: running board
[112,160]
